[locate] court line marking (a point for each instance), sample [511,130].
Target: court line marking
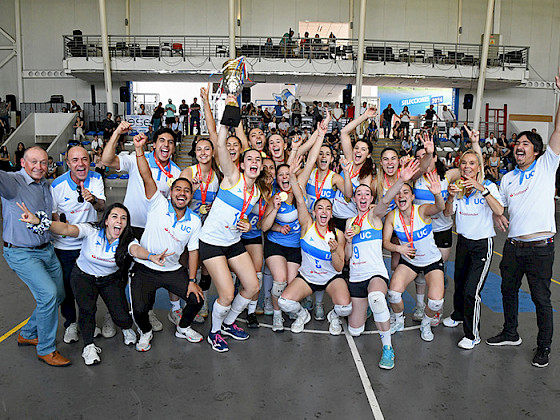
[368,388]
[13,330]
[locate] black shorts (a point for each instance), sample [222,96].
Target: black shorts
[340,224]
[438,265]
[252,241]
[169,120]
[444,239]
[291,254]
[207,251]
[319,287]
[360,289]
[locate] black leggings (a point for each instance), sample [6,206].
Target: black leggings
[86,289]
[143,286]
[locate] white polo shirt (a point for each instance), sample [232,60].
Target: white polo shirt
[529,196]
[163,231]
[473,215]
[135,197]
[65,200]
[97,256]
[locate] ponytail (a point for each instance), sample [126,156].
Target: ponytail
[331,224]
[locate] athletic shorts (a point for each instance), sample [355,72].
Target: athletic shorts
[169,120]
[252,241]
[438,265]
[291,254]
[443,239]
[340,223]
[207,251]
[360,289]
[319,287]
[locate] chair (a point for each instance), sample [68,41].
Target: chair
[222,51]
[176,48]
[165,49]
[419,55]
[121,47]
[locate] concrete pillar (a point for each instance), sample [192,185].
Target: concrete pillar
[106,57]
[360,63]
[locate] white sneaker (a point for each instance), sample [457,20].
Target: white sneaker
[91,354]
[96,332]
[335,327]
[108,330]
[319,312]
[426,333]
[129,336]
[301,320]
[467,343]
[397,326]
[143,343]
[174,316]
[154,322]
[188,334]
[268,308]
[450,322]
[71,333]
[418,313]
[436,319]
[277,323]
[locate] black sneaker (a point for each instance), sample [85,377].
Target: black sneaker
[252,321]
[504,339]
[541,357]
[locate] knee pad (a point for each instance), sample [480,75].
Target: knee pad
[394,297]
[205,281]
[378,306]
[420,279]
[289,306]
[435,305]
[260,279]
[278,288]
[356,332]
[343,310]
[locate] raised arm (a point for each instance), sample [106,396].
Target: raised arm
[230,171]
[109,157]
[150,187]
[316,141]
[554,142]
[407,173]
[304,217]
[240,133]
[345,139]
[208,116]
[435,188]
[59,228]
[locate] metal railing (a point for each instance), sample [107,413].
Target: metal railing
[185,47]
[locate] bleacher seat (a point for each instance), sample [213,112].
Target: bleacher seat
[92,165]
[124,176]
[112,176]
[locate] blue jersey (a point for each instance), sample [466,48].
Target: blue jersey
[286,215]
[254,218]
[328,190]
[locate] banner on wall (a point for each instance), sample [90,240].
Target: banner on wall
[417,99]
[139,123]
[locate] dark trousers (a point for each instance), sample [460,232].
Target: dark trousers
[144,284]
[386,128]
[193,120]
[536,264]
[87,288]
[472,263]
[67,260]
[296,120]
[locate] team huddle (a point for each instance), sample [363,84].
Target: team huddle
[282,221]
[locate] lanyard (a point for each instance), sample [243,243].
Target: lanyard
[409,236]
[387,179]
[203,190]
[319,233]
[262,206]
[355,174]
[245,201]
[360,220]
[162,169]
[320,190]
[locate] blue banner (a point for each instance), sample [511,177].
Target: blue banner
[417,99]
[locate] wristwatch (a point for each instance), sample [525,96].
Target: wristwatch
[192,280]
[485,192]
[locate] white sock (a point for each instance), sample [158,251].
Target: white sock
[385,338]
[219,312]
[175,305]
[426,320]
[277,313]
[399,316]
[419,300]
[252,307]
[267,283]
[237,306]
[319,297]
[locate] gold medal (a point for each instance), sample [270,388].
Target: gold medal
[203,209]
[259,225]
[283,196]
[244,219]
[170,182]
[356,229]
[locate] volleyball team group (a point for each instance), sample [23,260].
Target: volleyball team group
[281,220]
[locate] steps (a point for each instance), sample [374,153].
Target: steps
[181,157]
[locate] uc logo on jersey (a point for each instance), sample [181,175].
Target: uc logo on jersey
[422,233]
[186,228]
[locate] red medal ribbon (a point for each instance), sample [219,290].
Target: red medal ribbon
[355,174]
[245,201]
[320,190]
[387,179]
[167,171]
[319,233]
[203,190]
[409,236]
[262,207]
[361,219]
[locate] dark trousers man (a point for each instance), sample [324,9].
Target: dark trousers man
[67,260]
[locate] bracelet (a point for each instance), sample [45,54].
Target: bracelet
[140,155]
[149,255]
[43,225]
[192,280]
[485,192]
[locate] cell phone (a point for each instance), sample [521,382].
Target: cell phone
[62,217]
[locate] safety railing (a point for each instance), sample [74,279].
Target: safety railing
[312,48]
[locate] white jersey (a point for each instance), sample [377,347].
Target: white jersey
[328,190]
[529,196]
[163,231]
[316,259]
[135,198]
[97,256]
[367,254]
[343,209]
[423,239]
[220,227]
[473,215]
[213,188]
[422,195]
[65,201]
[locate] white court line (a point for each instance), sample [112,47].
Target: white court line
[374,405]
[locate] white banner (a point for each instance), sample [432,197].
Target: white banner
[139,123]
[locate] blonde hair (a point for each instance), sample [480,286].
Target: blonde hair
[480,174]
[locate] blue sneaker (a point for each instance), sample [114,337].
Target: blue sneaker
[217,342]
[234,332]
[387,358]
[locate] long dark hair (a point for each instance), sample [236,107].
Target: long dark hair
[367,167]
[262,185]
[122,257]
[330,225]
[440,166]
[381,172]
[213,163]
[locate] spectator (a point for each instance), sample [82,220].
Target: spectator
[278,109]
[75,107]
[371,131]
[18,155]
[51,168]
[108,126]
[95,143]
[350,111]
[386,120]
[5,115]
[195,117]
[267,117]
[447,116]
[5,164]
[283,126]
[272,126]
[448,160]
[492,139]
[406,147]
[337,116]
[177,128]
[99,167]
[169,113]
[142,110]
[464,133]
[457,159]
[64,110]
[429,116]
[494,164]
[286,110]
[296,113]
[79,126]
[184,113]
[455,134]
[156,117]
[268,44]
[405,121]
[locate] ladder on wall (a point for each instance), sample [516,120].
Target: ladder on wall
[496,120]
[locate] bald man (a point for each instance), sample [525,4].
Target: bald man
[31,255]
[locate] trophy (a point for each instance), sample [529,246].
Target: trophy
[232,84]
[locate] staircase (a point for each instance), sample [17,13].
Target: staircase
[181,157]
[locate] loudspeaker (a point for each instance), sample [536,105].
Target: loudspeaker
[347,96]
[124,94]
[246,95]
[11,99]
[468,101]
[93,95]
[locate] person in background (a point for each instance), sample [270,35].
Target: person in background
[177,128]
[296,113]
[386,119]
[107,126]
[195,117]
[337,116]
[18,155]
[170,109]
[455,135]
[5,164]
[75,107]
[79,126]
[51,170]
[184,115]
[142,110]
[156,116]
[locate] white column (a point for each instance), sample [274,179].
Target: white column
[360,63]
[127,19]
[19,52]
[497,16]
[106,57]
[231,25]
[459,21]
[483,64]
[351,18]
